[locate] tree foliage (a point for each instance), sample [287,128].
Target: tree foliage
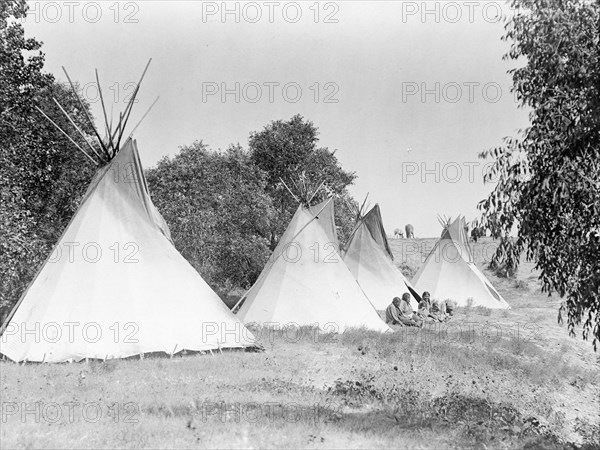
[287,150]
[549,177]
[225,209]
[42,175]
[218,212]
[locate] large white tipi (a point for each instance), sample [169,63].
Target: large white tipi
[306,282]
[115,285]
[450,273]
[369,258]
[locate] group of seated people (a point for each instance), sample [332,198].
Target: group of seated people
[400,312]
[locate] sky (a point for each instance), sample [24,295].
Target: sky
[407,92]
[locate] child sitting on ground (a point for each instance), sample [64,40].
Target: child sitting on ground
[423,312]
[447,309]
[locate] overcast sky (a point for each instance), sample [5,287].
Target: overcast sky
[408,93]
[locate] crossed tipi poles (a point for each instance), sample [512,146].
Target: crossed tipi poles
[111,292]
[110,145]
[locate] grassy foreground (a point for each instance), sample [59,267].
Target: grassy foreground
[487,379]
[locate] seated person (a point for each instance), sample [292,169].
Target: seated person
[435,312]
[400,312]
[424,312]
[409,317]
[424,306]
[392,312]
[447,308]
[426,297]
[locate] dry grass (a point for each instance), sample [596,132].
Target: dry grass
[499,379]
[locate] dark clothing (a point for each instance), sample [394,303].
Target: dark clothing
[402,315]
[392,314]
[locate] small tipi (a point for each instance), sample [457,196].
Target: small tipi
[115,286]
[306,282]
[369,258]
[450,273]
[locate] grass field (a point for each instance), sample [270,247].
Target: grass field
[489,379]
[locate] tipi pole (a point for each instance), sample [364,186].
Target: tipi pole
[108,131]
[121,126]
[290,191]
[238,303]
[351,207]
[69,137]
[117,128]
[295,185]
[130,106]
[143,117]
[362,207]
[111,122]
[315,193]
[77,128]
[85,111]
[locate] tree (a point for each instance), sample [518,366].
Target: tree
[288,151]
[549,177]
[218,212]
[42,175]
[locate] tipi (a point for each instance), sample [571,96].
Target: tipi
[449,272]
[115,286]
[369,258]
[306,282]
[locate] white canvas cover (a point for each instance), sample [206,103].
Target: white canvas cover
[450,273]
[306,282]
[326,219]
[123,289]
[372,267]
